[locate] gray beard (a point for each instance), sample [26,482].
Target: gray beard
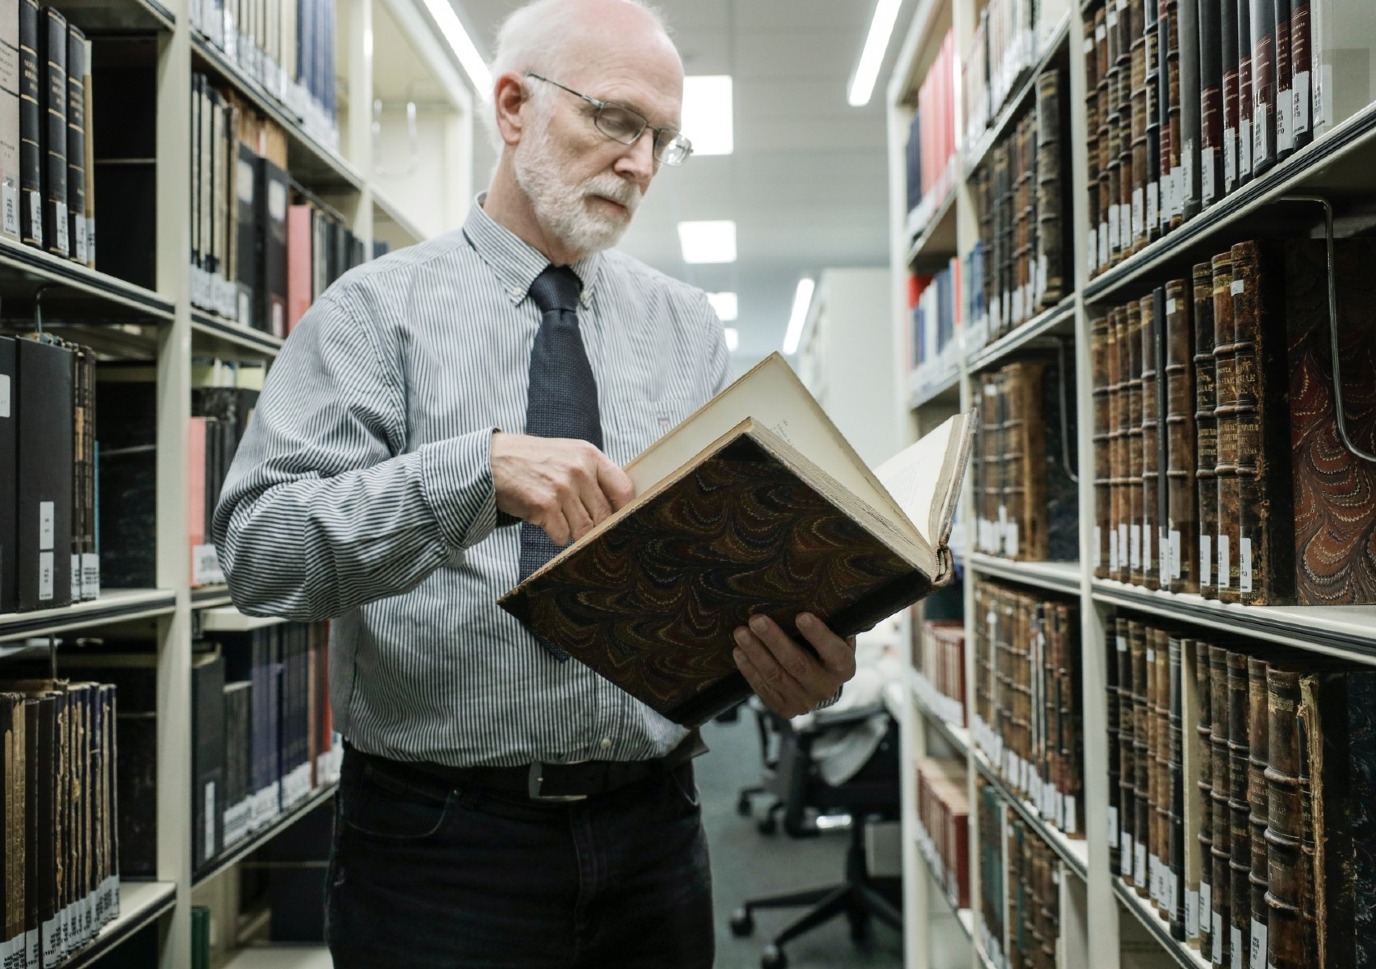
[561,207]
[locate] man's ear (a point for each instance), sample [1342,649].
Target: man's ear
[508,96]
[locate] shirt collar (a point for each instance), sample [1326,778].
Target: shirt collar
[516,263]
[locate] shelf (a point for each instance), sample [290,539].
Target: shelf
[258,838]
[214,335]
[114,606]
[934,388]
[210,596]
[1053,576]
[1074,852]
[310,162]
[70,292]
[934,245]
[964,916]
[1338,164]
[1184,956]
[140,905]
[103,16]
[1013,104]
[390,212]
[279,956]
[1348,631]
[957,737]
[227,619]
[1059,320]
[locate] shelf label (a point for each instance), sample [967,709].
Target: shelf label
[205,566]
[1191,914]
[46,525]
[1153,203]
[1176,567]
[1224,561]
[36,213]
[1244,572]
[1206,905]
[1244,156]
[1239,956]
[1217,935]
[1206,558]
[1258,946]
[9,197]
[1146,545]
[1285,125]
[1206,179]
[1303,102]
[60,228]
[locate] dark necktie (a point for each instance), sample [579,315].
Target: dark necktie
[562,401]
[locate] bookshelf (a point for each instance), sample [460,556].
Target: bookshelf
[1103,921]
[382,77]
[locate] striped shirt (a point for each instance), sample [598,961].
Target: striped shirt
[362,491]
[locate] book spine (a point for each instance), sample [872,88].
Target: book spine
[1265,551]
[1172,170]
[1257,761]
[1206,427]
[1177,881]
[30,125]
[1225,411]
[1302,104]
[1239,810]
[1050,278]
[1153,469]
[1203,790]
[1141,759]
[1103,490]
[1139,317]
[1220,954]
[1117,440]
[1140,154]
[1211,104]
[1228,47]
[76,144]
[1285,80]
[55,212]
[1263,47]
[1180,573]
[1284,924]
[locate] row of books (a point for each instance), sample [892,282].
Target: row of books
[219,420]
[932,317]
[1019,911]
[931,148]
[1251,493]
[1246,776]
[1028,715]
[48,500]
[1022,262]
[1190,100]
[46,142]
[287,47]
[1009,40]
[938,660]
[261,248]
[943,825]
[61,845]
[1025,496]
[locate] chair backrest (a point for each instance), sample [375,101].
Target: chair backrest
[871,792]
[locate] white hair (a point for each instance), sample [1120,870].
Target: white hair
[532,38]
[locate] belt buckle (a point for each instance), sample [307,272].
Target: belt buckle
[534,780]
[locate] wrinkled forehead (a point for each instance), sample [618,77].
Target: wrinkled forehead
[639,68]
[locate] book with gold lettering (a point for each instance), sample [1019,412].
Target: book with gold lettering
[756,503]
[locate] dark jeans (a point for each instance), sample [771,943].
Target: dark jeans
[426,876]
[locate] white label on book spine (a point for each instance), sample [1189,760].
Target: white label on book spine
[1170,307]
[36,209]
[1229,157]
[1285,130]
[1146,545]
[1114,835]
[1113,549]
[205,566]
[1206,175]
[1096,551]
[47,524]
[1206,904]
[277,200]
[1139,863]
[1186,174]
[1191,914]
[1323,97]
[1237,287]
[1175,554]
[6,408]
[1244,147]
[1129,851]
[1258,945]
[1303,103]
[60,228]
[1239,956]
[1070,812]
[1244,572]
[1113,226]
[1139,213]
[1217,936]
[1010,539]
[1135,547]
[1224,561]
[46,576]
[1092,249]
[1105,253]
[1206,559]
[209,845]
[1153,203]
[9,197]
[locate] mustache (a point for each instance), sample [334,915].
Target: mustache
[623,193]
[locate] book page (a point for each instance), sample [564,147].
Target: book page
[775,398]
[920,477]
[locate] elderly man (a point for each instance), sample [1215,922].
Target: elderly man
[441,421]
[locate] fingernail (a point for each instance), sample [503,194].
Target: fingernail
[742,637]
[758,624]
[806,620]
[738,656]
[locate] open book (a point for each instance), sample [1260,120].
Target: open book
[756,503]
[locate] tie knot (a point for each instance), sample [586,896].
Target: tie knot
[558,287]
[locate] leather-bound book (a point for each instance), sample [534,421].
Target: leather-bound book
[1187,29]
[1127,746]
[1210,104]
[1059,510]
[1228,47]
[1153,310]
[1117,442]
[1285,947]
[1202,880]
[1054,273]
[1132,421]
[1244,92]
[1262,16]
[1205,428]
[1141,759]
[1182,518]
[1264,509]
[1177,883]
[1142,131]
[1024,460]
[9,433]
[1222,822]
[1257,760]
[1225,413]
[1285,80]
[984,468]
[1162,892]
[1099,363]
[1172,167]
[1334,490]
[31,41]
[52,53]
[1301,78]
[1113,642]
[1239,807]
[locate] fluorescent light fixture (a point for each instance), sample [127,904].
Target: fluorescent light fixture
[707,117]
[724,304]
[733,338]
[470,59]
[710,241]
[867,72]
[802,299]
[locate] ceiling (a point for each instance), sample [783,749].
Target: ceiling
[808,182]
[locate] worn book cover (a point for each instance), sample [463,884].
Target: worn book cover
[754,504]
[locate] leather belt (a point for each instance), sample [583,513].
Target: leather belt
[543,781]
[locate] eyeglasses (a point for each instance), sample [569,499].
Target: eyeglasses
[620,123]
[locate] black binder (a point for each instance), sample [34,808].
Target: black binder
[9,480]
[45,475]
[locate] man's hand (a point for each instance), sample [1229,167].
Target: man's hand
[565,486]
[789,679]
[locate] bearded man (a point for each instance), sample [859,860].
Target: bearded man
[438,424]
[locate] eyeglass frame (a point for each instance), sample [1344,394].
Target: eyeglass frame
[660,153]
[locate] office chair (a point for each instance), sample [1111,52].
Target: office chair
[872,793]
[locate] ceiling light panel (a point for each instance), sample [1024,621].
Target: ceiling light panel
[708,118]
[708,241]
[725,304]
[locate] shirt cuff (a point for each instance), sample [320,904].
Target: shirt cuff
[456,480]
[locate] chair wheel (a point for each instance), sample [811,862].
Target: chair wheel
[743,806]
[767,824]
[742,922]
[772,957]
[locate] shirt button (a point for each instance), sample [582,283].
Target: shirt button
[606,743]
